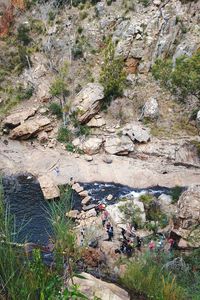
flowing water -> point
(25, 198)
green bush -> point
(175, 193)
(183, 79)
(64, 135)
(23, 35)
(112, 76)
(77, 51)
(146, 198)
(56, 109)
(83, 130)
(145, 3)
(132, 214)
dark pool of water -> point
(24, 196)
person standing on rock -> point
(139, 243)
(104, 217)
(110, 232)
(57, 171)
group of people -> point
(160, 245)
(129, 243)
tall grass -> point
(146, 277)
(25, 279)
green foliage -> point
(145, 3)
(183, 79)
(175, 193)
(23, 35)
(146, 277)
(59, 87)
(132, 214)
(37, 26)
(112, 76)
(56, 109)
(146, 198)
(83, 15)
(109, 2)
(13, 96)
(83, 130)
(64, 135)
(78, 50)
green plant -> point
(145, 3)
(132, 214)
(70, 147)
(183, 79)
(83, 15)
(64, 135)
(146, 277)
(146, 198)
(13, 96)
(112, 76)
(175, 193)
(83, 130)
(56, 109)
(23, 35)
(80, 30)
(59, 89)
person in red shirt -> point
(151, 245)
(171, 243)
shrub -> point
(23, 35)
(112, 76)
(146, 199)
(83, 15)
(83, 130)
(77, 50)
(132, 214)
(175, 193)
(183, 79)
(64, 135)
(56, 109)
(145, 3)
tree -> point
(59, 89)
(183, 79)
(112, 75)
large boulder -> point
(137, 132)
(189, 207)
(92, 145)
(93, 287)
(188, 217)
(165, 202)
(151, 109)
(31, 128)
(97, 121)
(88, 102)
(118, 145)
(49, 189)
(19, 117)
